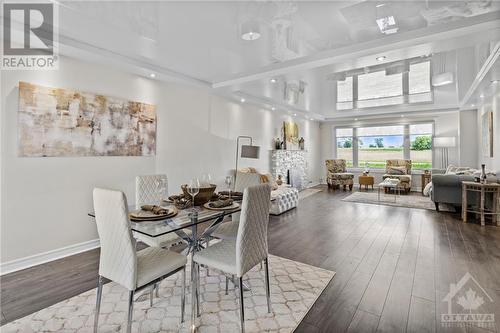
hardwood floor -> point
(394, 266)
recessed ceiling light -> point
(250, 30)
(273, 108)
(482, 95)
(273, 80)
(355, 119)
(473, 105)
(242, 100)
(381, 58)
(402, 116)
(295, 115)
(494, 81)
(152, 75)
(380, 5)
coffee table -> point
(395, 186)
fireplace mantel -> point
(284, 160)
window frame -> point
(406, 140)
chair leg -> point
(130, 310)
(193, 294)
(183, 294)
(227, 284)
(268, 289)
(198, 290)
(350, 187)
(437, 206)
(242, 307)
(98, 303)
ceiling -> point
(301, 43)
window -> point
(378, 144)
(344, 93)
(382, 88)
(421, 146)
(344, 144)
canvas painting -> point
(487, 133)
(291, 134)
(64, 122)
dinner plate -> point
(233, 206)
(142, 215)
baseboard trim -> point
(41, 258)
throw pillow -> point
(396, 170)
(427, 189)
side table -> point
(425, 179)
(482, 190)
(366, 181)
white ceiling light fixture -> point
(494, 81)
(381, 58)
(273, 108)
(152, 75)
(481, 96)
(273, 80)
(242, 100)
(441, 76)
(355, 119)
(295, 115)
(380, 5)
(250, 30)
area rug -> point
(308, 192)
(403, 200)
(294, 289)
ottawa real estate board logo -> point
(468, 305)
(29, 36)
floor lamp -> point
(247, 151)
(444, 142)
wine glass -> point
(206, 180)
(193, 189)
(229, 181)
(161, 189)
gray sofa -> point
(447, 188)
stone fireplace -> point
(291, 163)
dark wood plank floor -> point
(394, 266)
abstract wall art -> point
(64, 122)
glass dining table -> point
(190, 219)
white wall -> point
(469, 151)
(45, 200)
(490, 104)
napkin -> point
(157, 210)
(221, 203)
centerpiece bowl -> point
(203, 196)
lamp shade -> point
(250, 151)
(444, 142)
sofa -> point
(337, 175)
(447, 188)
(283, 197)
(399, 169)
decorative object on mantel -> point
(487, 133)
(278, 144)
(301, 143)
(63, 122)
(483, 174)
(291, 135)
(247, 151)
(279, 181)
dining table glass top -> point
(186, 218)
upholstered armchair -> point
(399, 169)
(336, 174)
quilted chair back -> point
(146, 189)
(251, 241)
(246, 179)
(406, 164)
(336, 166)
(118, 260)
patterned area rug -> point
(403, 200)
(294, 289)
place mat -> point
(231, 207)
(143, 215)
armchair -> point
(399, 169)
(336, 174)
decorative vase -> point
(279, 181)
(277, 143)
(301, 143)
(483, 174)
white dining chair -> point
(119, 260)
(236, 257)
(146, 193)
